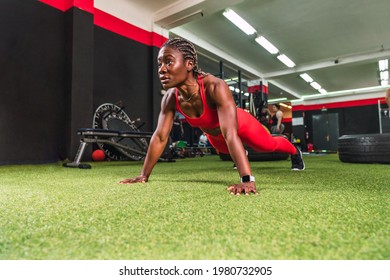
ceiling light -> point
(277, 99)
(306, 77)
(234, 79)
(285, 105)
(343, 92)
(383, 64)
(323, 91)
(239, 21)
(288, 62)
(384, 83)
(315, 85)
(384, 75)
(267, 45)
(234, 89)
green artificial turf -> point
(332, 210)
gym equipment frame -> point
(106, 137)
(115, 134)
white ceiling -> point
(337, 42)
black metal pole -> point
(239, 88)
(221, 69)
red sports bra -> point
(208, 119)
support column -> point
(79, 33)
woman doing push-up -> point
(206, 102)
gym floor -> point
(332, 210)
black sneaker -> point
(297, 163)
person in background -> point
(177, 131)
(265, 116)
(276, 126)
(203, 141)
(207, 102)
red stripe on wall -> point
(86, 5)
(64, 5)
(110, 22)
(126, 29)
(344, 104)
(158, 40)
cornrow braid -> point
(188, 50)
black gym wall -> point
(123, 71)
(351, 120)
(32, 83)
(57, 68)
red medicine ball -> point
(98, 155)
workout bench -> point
(106, 136)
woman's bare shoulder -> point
(211, 80)
(169, 99)
(214, 85)
(217, 91)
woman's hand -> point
(246, 188)
(139, 179)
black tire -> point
(258, 156)
(364, 148)
(225, 157)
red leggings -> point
(254, 135)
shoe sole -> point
(297, 169)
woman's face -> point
(274, 108)
(172, 69)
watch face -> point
(245, 178)
(112, 117)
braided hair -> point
(188, 51)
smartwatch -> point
(247, 178)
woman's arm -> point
(279, 116)
(227, 114)
(159, 139)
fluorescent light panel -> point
(266, 45)
(277, 99)
(323, 91)
(384, 75)
(383, 64)
(285, 105)
(249, 30)
(306, 77)
(315, 85)
(345, 92)
(239, 21)
(288, 62)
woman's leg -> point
(253, 134)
